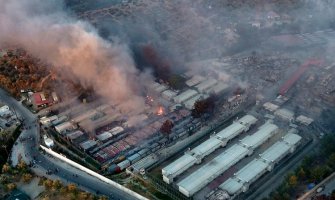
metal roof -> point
(252, 170)
(190, 103)
(185, 95)
(211, 170)
(275, 152)
(218, 88)
(176, 167)
(201, 87)
(291, 139)
(232, 186)
(248, 120)
(231, 131)
(207, 147)
(256, 139)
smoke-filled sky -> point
(45, 30)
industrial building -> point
(207, 173)
(194, 80)
(258, 138)
(270, 106)
(190, 103)
(242, 179)
(89, 144)
(214, 142)
(218, 88)
(185, 96)
(205, 85)
(285, 114)
(64, 127)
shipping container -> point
(134, 158)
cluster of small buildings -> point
(40, 100)
(286, 114)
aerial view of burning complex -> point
(167, 99)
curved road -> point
(66, 173)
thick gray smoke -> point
(45, 30)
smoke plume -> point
(45, 30)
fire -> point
(160, 110)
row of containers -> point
(149, 147)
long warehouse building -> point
(259, 166)
(207, 173)
(198, 153)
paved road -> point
(29, 151)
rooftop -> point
(211, 170)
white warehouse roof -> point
(207, 173)
(256, 139)
(247, 120)
(257, 167)
(205, 85)
(231, 131)
(185, 95)
(251, 171)
(177, 167)
(210, 145)
(274, 153)
(291, 138)
(206, 147)
(232, 186)
(246, 175)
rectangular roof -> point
(75, 134)
(207, 147)
(88, 144)
(252, 170)
(194, 80)
(104, 136)
(232, 186)
(176, 167)
(291, 139)
(218, 88)
(275, 152)
(185, 95)
(201, 87)
(190, 103)
(256, 139)
(248, 120)
(231, 131)
(207, 173)
(63, 126)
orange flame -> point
(160, 110)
